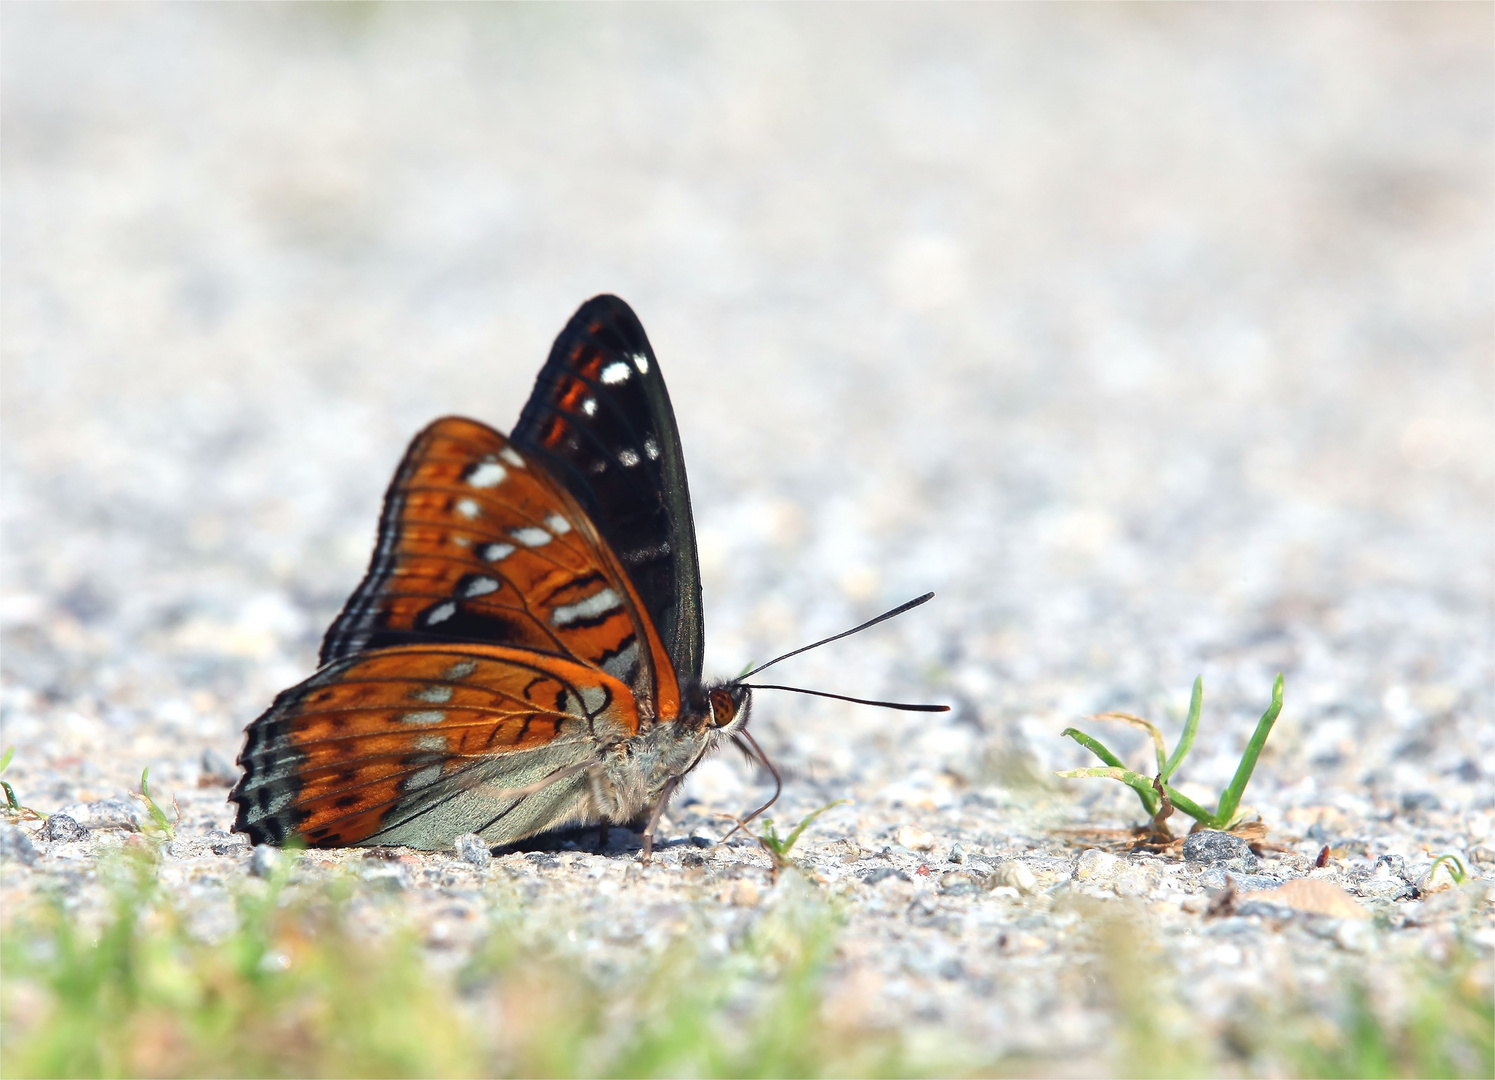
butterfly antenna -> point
(899, 610)
(904, 706)
(744, 741)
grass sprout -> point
(1159, 799)
(778, 847)
(1452, 865)
(161, 825)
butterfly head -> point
(728, 706)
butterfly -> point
(524, 653)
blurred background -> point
(1155, 339)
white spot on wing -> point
(511, 455)
(651, 448)
(425, 778)
(436, 695)
(589, 406)
(495, 552)
(461, 541)
(460, 670)
(441, 613)
(486, 475)
(468, 508)
(425, 716)
(481, 586)
(641, 362)
(624, 664)
(558, 525)
(596, 604)
(628, 458)
(530, 536)
(615, 373)
(433, 743)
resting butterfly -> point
(524, 653)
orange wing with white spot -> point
(477, 544)
(493, 653)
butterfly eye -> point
(723, 708)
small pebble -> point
(922, 905)
(264, 861)
(1096, 865)
(472, 848)
(1213, 848)
(913, 838)
(1017, 876)
(957, 854)
(15, 844)
(62, 829)
(957, 883)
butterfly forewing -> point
(600, 418)
(478, 545)
(423, 743)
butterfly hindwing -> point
(418, 744)
(600, 417)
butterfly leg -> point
(654, 815)
(602, 836)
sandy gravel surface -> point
(1156, 340)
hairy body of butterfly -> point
(524, 653)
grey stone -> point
(60, 828)
(1095, 865)
(16, 845)
(224, 843)
(1215, 878)
(883, 873)
(1211, 848)
(264, 861)
(472, 848)
(922, 906)
(957, 853)
(105, 814)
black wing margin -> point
(600, 418)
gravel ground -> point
(1156, 340)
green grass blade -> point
(158, 816)
(1230, 798)
(11, 802)
(770, 837)
(1142, 785)
(1145, 793)
(1456, 870)
(1094, 746)
(10, 752)
(1191, 728)
(800, 828)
